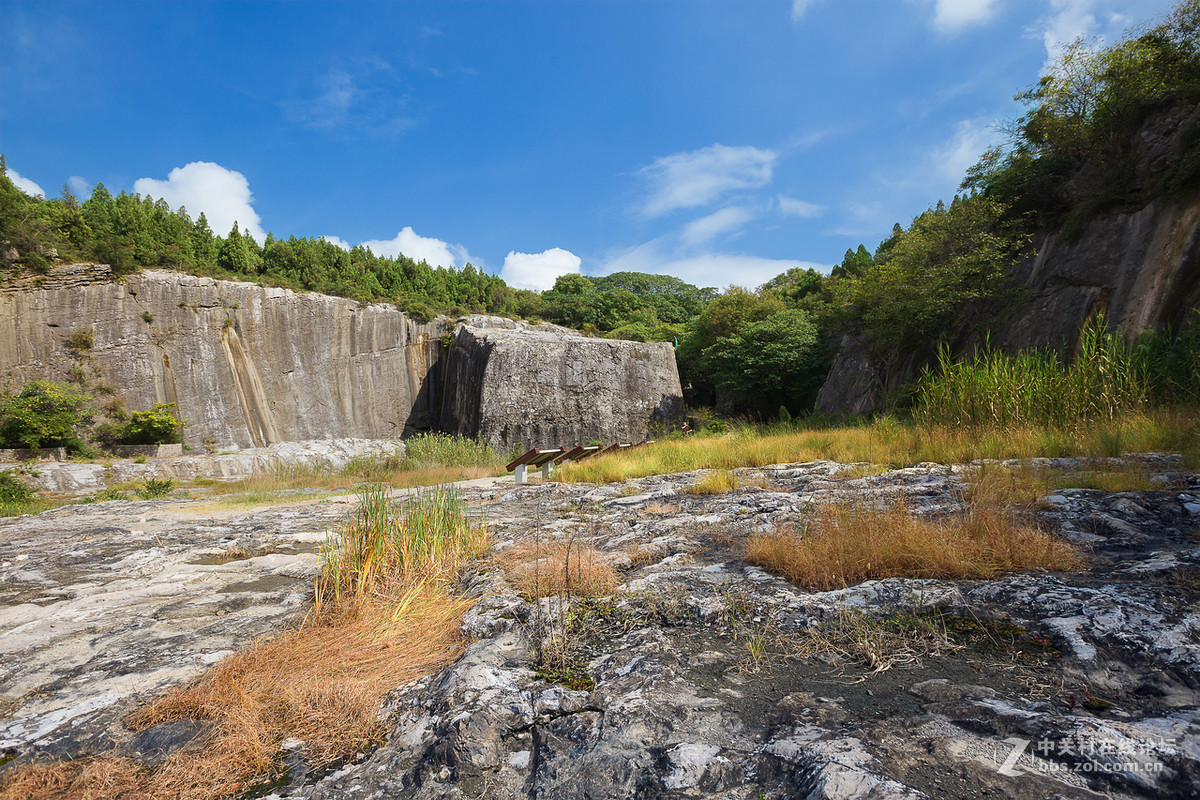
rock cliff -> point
(1141, 268)
(251, 366)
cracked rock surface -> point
(700, 676)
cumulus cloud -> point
(79, 186)
(707, 228)
(408, 243)
(433, 252)
(951, 16)
(687, 180)
(538, 271)
(223, 195)
(792, 207)
(24, 184)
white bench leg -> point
(547, 471)
(520, 473)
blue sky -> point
(721, 142)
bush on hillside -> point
(43, 414)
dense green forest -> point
(943, 280)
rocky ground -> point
(699, 677)
(315, 455)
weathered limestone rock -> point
(1084, 687)
(73, 477)
(547, 386)
(251, 366)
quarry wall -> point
(250, 365)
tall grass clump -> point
(444, 450)
(1108, 378)
(425, 538)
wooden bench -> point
(546, 459)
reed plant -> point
(427, 537)
(1109, 377)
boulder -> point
(546, 386)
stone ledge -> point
(147, 450)
(44, 454)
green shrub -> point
(80, 340)
(159, 425)
(153, 488)
(13, 490)
(43, 414)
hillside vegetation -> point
(945, 280)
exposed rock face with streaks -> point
(547, 386)
(251, 366)
(692, 679)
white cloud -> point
(792, 207)
(971, 137)
(538, 271)
(337, 241)
(433, 252)
(704, 268)
(687, 180)
(223, 195)
(699, 231)
(24, 184)
(79, 187)
(951, 16)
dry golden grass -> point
(555, 568)
(1022, 486)
(386, 618)
(847, 543)
(717, 481)
(86, 779)
(645, 556)
(322, 684)
(893, 443)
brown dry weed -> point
(558, 568)
(847, 543)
